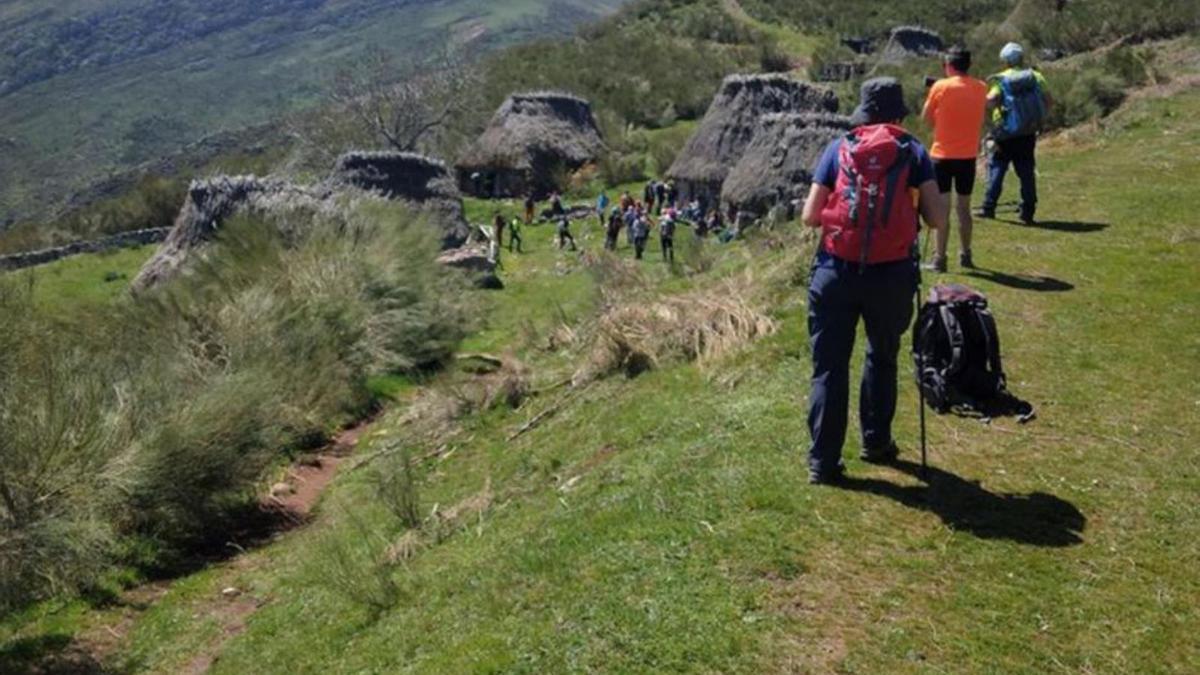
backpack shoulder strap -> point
(903, 158)
(954, 333)
(987, 323)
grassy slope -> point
(86, 280)
(692, 543)
(72, 129)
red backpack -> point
(870, 217)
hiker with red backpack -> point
(869, 190)
(1019, 101)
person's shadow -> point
(1060, 225)
(1041, 284)
(1037, 519)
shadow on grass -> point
(1036, 519)
(54, 654)
(1039, 284)
(243, 528)
(1078, 226)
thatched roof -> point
(778, 163)
(423, 182)
(729, 124)
(207, 205)
(907, 41)
(532, 130)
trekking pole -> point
(921, 393)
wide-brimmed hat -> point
(881, 100)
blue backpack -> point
(1022, 104)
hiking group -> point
(658, 209)
(870, 189)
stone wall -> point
(17, 261)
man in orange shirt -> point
(955, 108)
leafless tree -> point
(408, 105)
(378, 102)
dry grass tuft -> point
(405, 548)
(638, 333)
(472, 507)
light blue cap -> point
(1012, 54)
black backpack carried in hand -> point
(956, 350)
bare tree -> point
(418, 107)
(408, 107)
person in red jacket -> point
(868, 191)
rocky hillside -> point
(88, 88)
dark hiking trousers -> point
(838, 295)
(1020, 153)
(668, 248)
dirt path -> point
(294, 499)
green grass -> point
(688, 539)
(86, 280)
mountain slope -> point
(87, 88)
(662, 523)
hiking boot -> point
(938, 264)
(1028, 220)
(885, 455)
(833, 477)
(965, 261)
(987, 213)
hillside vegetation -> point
(92, 88)
(661, 523)
(601, 466)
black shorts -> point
(956, 173)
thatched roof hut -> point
(425, 183)
(729, 125)
(531, 139)
(209, 203)
(910, 41)
(777, 165)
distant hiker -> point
(498, 229)
(1020, 101)
(615, 220)
(556, 205)
(629, 216)
(862, 198)
(530, 204)
(564, 234)
(649, 194)
(672, 194)
(626, 201)
(711, 223)
(660, 196)
(602, 207)
(640, 231)
(955, 109)
(666, 237)
(514, 235)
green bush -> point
(149, 428)
(1082, 26)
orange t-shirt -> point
(955, 108)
